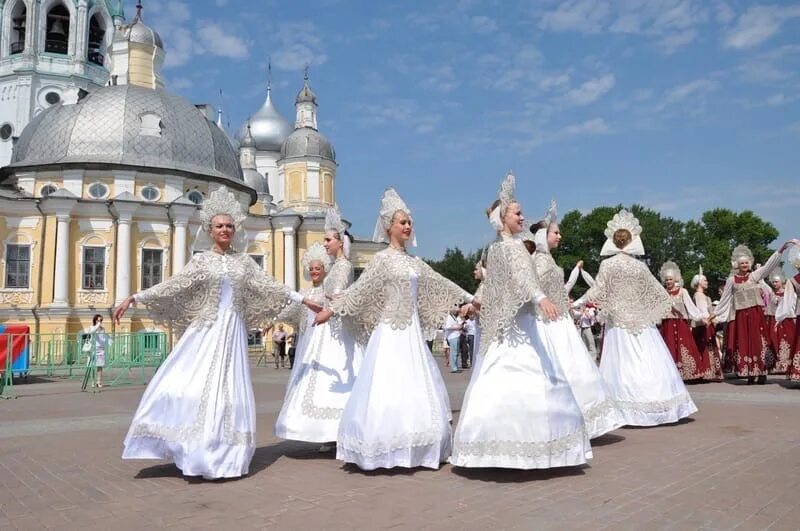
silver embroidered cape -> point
(296, 313)
(192, 296)
(510, 285)
(383, 293)
(339, 277)
(629, 296)
(551, 280)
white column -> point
(61, 288)
(179, 246)
(289, 252)
(123, 281)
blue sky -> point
(680, 105)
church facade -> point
(100, 187)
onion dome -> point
(268, 128)
(307, 142)
(141, 33)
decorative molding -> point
(153, 227)
(16, 297)
(22, 223)
(261, 237)
(86, 225)
(92, 297)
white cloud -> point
(589, 91)
(482, 24)
(586, 16)
(758, 24)
(672, 42)
(399, 112)
(595, 126)
(180, 83)
(699, 87)
(221, 43)
(299, 46)
(440, 78)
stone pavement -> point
(734, 465)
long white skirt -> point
(199, 410)
(563, 342)
(519, 410)
(398, 414)
(640, 374)
(326, 364)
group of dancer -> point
(365, 381)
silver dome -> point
(307, 142)
(143, 34)
(255, 180)
(306, 95)
(130, 126)
(268, 128)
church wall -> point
(140, 66)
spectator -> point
(292, 342)
(279, 346)
(96, 344)
(468, 337)
(452, 333)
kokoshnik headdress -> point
(333, 221)
(220, 202)
(741, 252)
(315, 253)
(506, 197)
(391, 203)
(777, 275)
(540, 238)
(671, 270)
(623, 220)
(698, 278)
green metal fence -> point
(128, 357)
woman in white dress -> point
(398, 414)
(327, 358)
(97, 345)
(562, 339)
(198, 411)
(519, 411)
(636, 364)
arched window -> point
(19, 24)
(97, 32)
(47, 190)
(56, 38)
(195, 197)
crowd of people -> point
(364, 382)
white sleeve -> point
(693, 311)
(723, 311)
(702, 304)
(296, 297)
(767, 268)
(587, 278)
(787, 306)
(573, 278)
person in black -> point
(292, 342)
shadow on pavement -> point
(686, 420)
(605, 440)
(506, 475)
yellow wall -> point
(140, 66)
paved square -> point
(734, 465)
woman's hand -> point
(120, 310)
(549, 309)
(579, 265)
(311, 305)
(323, 316)
(476, 303)
(793, 241)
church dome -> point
(139, 32)
(255, 180)
(268, 128)
(129, 126)
(307, 142)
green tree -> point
(458, 267)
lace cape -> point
(383, 293)
(296, 314)
(192, 296)
(510, 284)
(339, 277)
(629, 295)
(551, 280)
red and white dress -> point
(747, 346)
(679, 339)
(781, 334)
(788, 311)
(705, 337)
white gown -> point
(398, 414)
(327, 362)
(519, 410)
(643, 379)
(199, 410)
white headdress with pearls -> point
(698, 278)
(506, 197)
(540, 238)
(333, 221)
(741, 252)
(670, 270)
(220, 202)
(623, 220)
(315, 253)
(391, 202)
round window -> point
(98, 190)
(150, 193)
(195, 197)
(52, 98)
(5, 131)
(47, 190)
